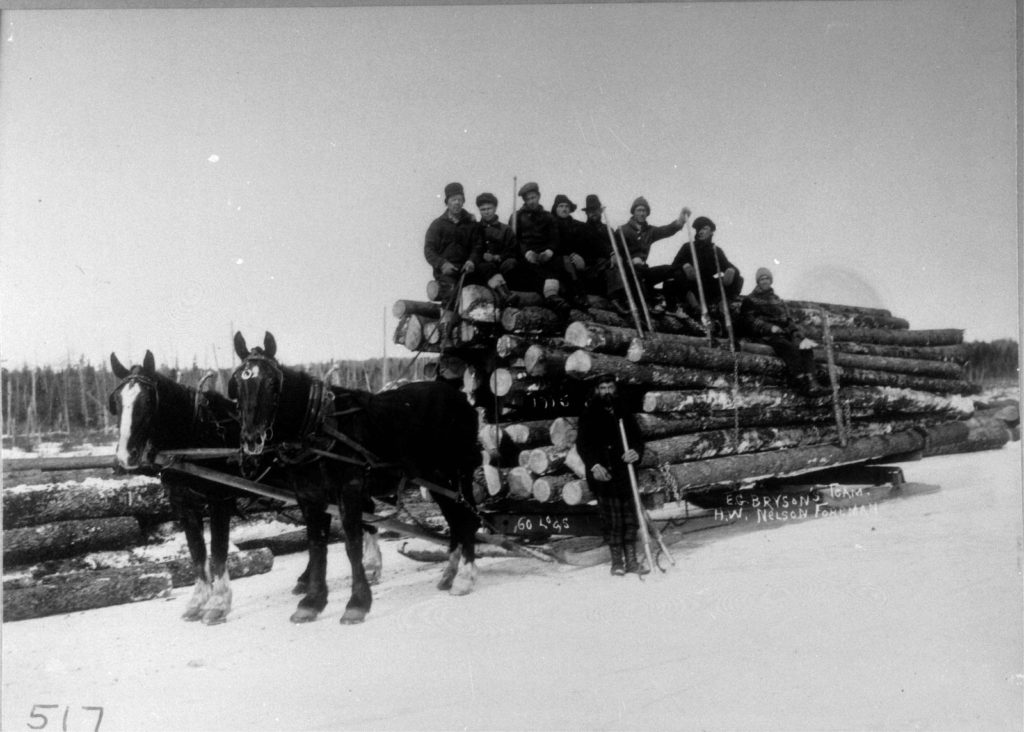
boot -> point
(632, 565)
(506, 298)
(618, 560)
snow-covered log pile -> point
(711, 415)
(76, 545)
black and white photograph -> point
(511, 366)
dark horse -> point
(332, 442)
(156, 413)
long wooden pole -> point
(705, 318)
(625, 280)
(641, 515)
(636, 281)
(833, 378)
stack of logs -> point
(74, 543)
(712, 415)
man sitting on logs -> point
(599, 443)
(639, 236)
(599, 263)
(573, 237)
(449, 248)
(498, 253)
(540, 247)
(695, 284)
(765, 316)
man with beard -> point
(682, 284)
(765, 316)
(539, 247)
(639, 236)
(497, 252)
(599, 443)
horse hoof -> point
(464, 582)
(214, 617)
(304, 615)
(353, 616)
(192, 615)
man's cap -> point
(530, 187)
(453, 189)
(701, 221)
(593, 203)
(640, 201)
(485, 198)
(763, 272)
(562, 198)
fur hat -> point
(562, 198)
(453, 189)
(701, 221)
(763, 272)
(593, 203)
(486, 198)
(640, 201)
(530, 187)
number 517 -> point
(41, 719)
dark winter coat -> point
(762, 310)
(706, 252)
(495, 237)
(639, 237)
(599, 443)
(450, 241)
(536, 231)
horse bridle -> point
(277, 375)
(135, 379)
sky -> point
(170, 176)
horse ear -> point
(117, 367)
(149, 364)
(269, 344)
(240, 348)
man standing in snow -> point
(764, 316)
(599, 443)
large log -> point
(576, 492)
(955, 353)
(92, 498)
(520, 483)
(65, 593)
(545, 460)
(660, 425)
(881, 399)
(812, 317)
(548, 488)
(543, 360)
(510, 346)
(505, 441)
(582, 364)
(562, 431)
(856, 368)
(496, 480)
(401, 308)
(982, 434)
(66, 538)
(837, 308)
(718, 443)
(881, 336)
(531, 320)
(776, 463)
(82, 462)
(418, 333)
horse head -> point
(256, 385)
(134, 401)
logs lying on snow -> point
(711, 413)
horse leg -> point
(302, 582)
(450, 512)
(352, 524)
(192, 522)
(318, 526)
(373, 561)
(465, 525)
(217, 607)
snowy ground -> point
(907, 616)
